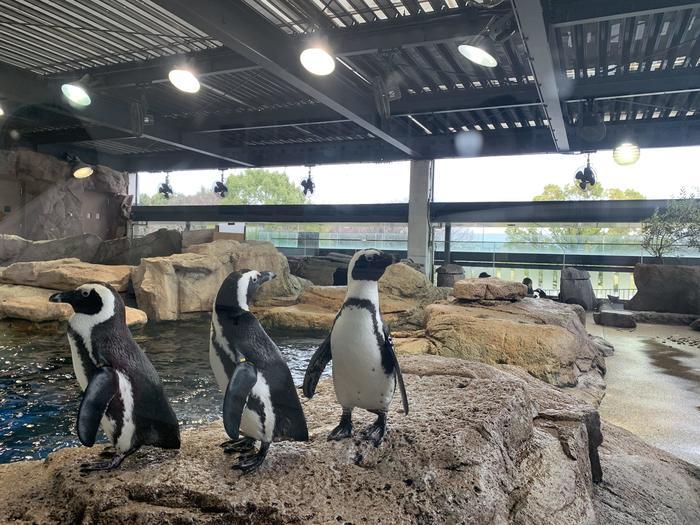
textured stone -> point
(168, 287)
(127, 251)
(65, 274)
(482, 444)
(29, 303)
(695, 325)
(545, 338)
(83, 247)
(449, 274)
(666, 288)
(576, 288)
(616, 318)
(319, 270)
(11, 246)
(489, 289)
(192, 237)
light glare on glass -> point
(2, 111)
(184, 80)
(76, 94)
(626, 153)
(317, 61)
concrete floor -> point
(653, 385)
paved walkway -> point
(653, 385)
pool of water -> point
(39, 396)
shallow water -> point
(39, 396)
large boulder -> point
(403, 292)
(576, 288)
(65, 274)
(127, 251)
(481, 445)
(616, 318)
(192, 237)
(319, 270)
(82, 246)
(488, 289)
(168, 287)
(665, 288)
(31, 304)
(11, 246)
(545, 338)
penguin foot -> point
(107, 465)
(252, 462)
(376, 431)
(108, 452)
(234, 446)
(344, 428)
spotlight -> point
(480, 50)
(76, 92)
(2, 111)
(184, 80)
(317, 60)
(80, 169)
(626, 153)
(165, 189)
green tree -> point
(677, 226)
(251, 186)
(569, 238)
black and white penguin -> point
(260, 401)
(122, 391)
(365, 368)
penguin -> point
(122, 391)
(365, 368)
(260, 400)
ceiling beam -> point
(528, 13)
(578, 12)
(253, 37)
(24, 87)
(392, 34)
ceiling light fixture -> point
(77, 93)
(80, 169)
(2, 111)
(479, 49)
(317, 60)
(626, 153)
(184, 80)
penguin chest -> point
(258, 417)
(78, 356)
(358, 376)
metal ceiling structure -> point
(574, 75)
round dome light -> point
(317, 61)
(83, 172)
(76, 94)
(184, 80)
(626, 154)
(480, 50)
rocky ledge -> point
(482, 444)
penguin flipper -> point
(244, 377)
(317, 365)
(389, 349)
(99, 393)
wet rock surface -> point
(481, 445)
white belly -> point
(358, 376)
(218, 368)
(126, 436)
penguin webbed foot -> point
(252, 462)
(105, 466)
(376, 431)
(108, 452)
(344, 428)
(234, 446)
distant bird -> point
(365, 369)
(122, 390)
(484, 275)
(260, 400)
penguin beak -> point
(56, 298)
(267, 276)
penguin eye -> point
(84, 293)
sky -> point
(660, 173)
